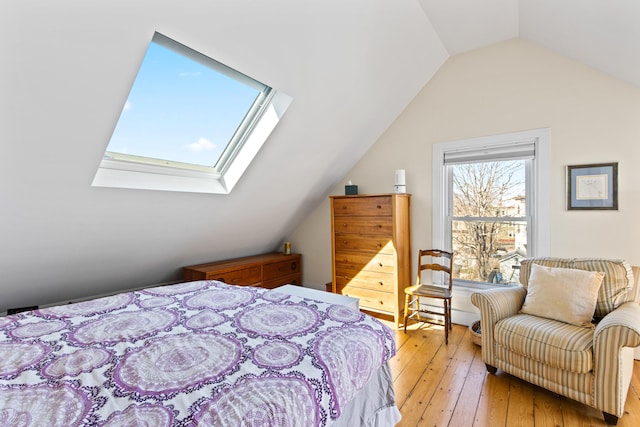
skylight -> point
(190, 123)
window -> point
(490, 204)
(189, 123)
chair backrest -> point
(618, 285)
(435, 260)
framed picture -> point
(592, 187)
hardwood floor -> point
(440, 385)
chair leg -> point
(446, 315)
(491, 369)
(610, 419)
(407, 297)
(446, 322)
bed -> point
(196, 353)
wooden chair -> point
(433, 260)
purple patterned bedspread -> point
(197, 353)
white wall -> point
(511, 86)
(67, 67)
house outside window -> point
(491, 204)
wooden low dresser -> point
(266, 270)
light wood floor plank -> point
(465, 411)
(413, 346)
(493, 403)
(547, 409)
(406, 383)
(520, 409)
(574, 414)
(440, 408)
(427, 383)
(448, 385)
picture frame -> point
(592, 187)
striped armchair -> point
(592, 365)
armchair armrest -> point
(613, 338)
(496, 304)
(626, 321)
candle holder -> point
(400, 186)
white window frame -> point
(133, 172)
(537, 188)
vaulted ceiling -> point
(351, 66)
(602, 34)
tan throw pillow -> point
(563, 294)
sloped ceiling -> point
(602, 34)
(351, 67)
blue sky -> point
(180, 110)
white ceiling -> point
(602, 34)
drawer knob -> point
(378, 206)
(344, 241)
(294, 266)
(381, 302)
(379, 245)
(381, 283)
(379, 225)
(379, 264)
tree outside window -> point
(488, 219)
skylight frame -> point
(132, 171)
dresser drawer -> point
(362, 206)
(382, 282)
(363, 225)
(285, 267)
(377, 263)
(294, 279)
(245, 276)
(364, 244)
(375, 300)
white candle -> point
(400, 177)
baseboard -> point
(463, 317)
(462, 311)
(16, 310)
(108, 294)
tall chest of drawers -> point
(371, 250)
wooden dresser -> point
(266, 270)
(371, 250)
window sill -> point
(474, 286)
